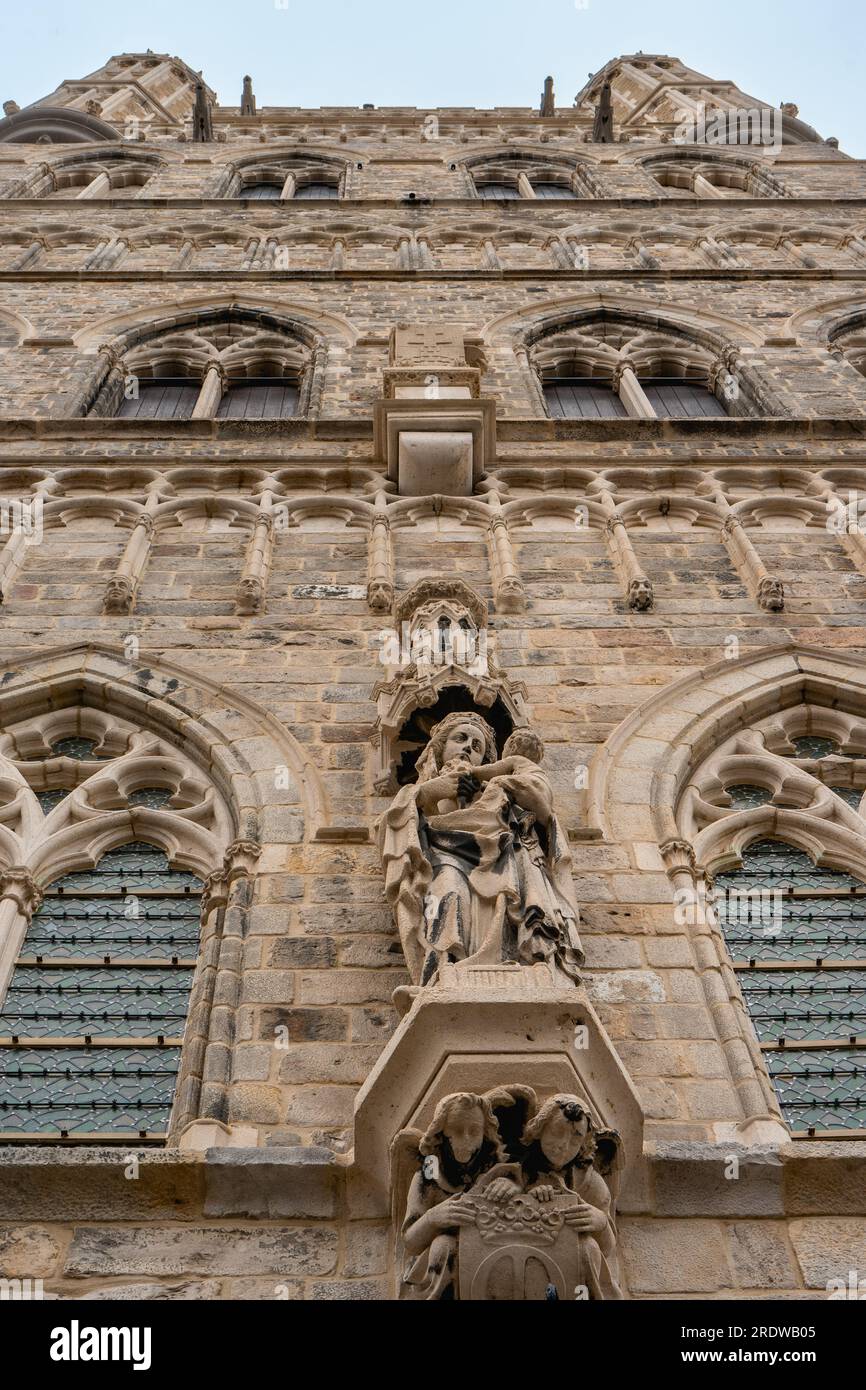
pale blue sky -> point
(452, 52)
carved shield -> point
(519, 1251)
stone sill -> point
(540, 430)
(700, 273)
(630, 201)
(53, 1183)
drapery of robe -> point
(493, 877)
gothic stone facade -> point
(202, 593)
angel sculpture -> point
(499, 1172)
(462, 1143)
(476, 865)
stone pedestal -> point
(484, 1027)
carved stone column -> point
(638, 588)
(288, 188)
(13, 552)
(765, 587)
(508, 591)
(699, 921)
(252, 586)
(380, 568)
(490, 256)
(631, 393)
(250, 253)
(28, 255)
(786, 244)
(122, 587)
(97, 188)
(20, 897)
(702, 188)
(211, 392)
(535, 392)
(202, 1107)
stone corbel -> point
(252, 586)
(239, 860)
(437, 446)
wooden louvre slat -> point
(259, 400)
(161, 400)
(583, 400)
(677, 399)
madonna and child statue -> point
(477, 868)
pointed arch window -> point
(93, 1009)
(797, 934)
(91, 1026)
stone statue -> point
(476, 866)
(511, 1200)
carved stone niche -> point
(439, 643)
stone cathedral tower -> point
(433, 700)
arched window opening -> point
(797, 934)
(232, 368)
(91, 1026)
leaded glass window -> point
(816, 748)
(745, 797)
(797, 936)
(91, 1026)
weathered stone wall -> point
(321, 958)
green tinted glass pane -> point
(773, 864)
(853, 795)
(814, 747)
(744, 797)
(118, 1002)
(48, 800)
(92, 1090)
(129, 867)
(81, 748)
(154, 797)
(806, 1005)
(132, 906)
(134, 926)
(820, 1089)
(803, 929)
